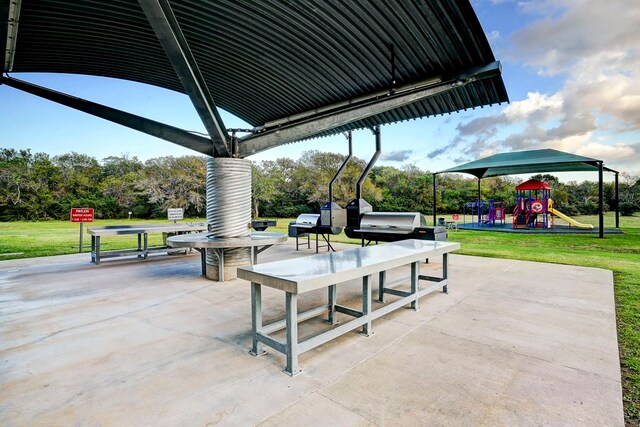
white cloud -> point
(396, 156)
(594, 46)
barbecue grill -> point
(394, 226)
(263, 224)
(307, 224)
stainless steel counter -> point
(258, 242)
(297, 276)
(143, 249)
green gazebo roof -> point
(521, 162)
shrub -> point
(627, 208)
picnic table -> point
(143, 249)
(328, 270)
(258, 242)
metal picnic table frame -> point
(327, 270)
(258, 241)
(143, 249)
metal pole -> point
(600, 201)
(434, 199)
(479, 213)
(341, 168)
(367, 169)
(617, 204)
(80, 250)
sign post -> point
(175, 214)
(81, 215)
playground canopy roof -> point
(291, 69)
(534, 161)
(533, 184)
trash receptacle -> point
(441, 221)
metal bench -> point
(143, 249)
(297, 276)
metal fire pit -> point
(308, 224)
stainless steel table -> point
(297, 276)
(143, 249)
(258, 242)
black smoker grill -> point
(308, 224)
(394, 226)
(263, 224)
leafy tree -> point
(175, 182)
(119, 186)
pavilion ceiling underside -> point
(266, 60)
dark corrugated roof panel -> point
(264, 60)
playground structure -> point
(488, 213)
(534, 207)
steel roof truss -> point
(324, 119)
(9, 18)
(165, 25)
(148, 126)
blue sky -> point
(571, 68)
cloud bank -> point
(594, 46)
(396, 156)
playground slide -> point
(569, 219)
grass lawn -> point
(619, 253)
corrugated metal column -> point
(228, 212)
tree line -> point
(36, 186)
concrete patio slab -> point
(134, 342)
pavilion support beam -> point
(9, 19)
(164, 23)
(617, 203)
(600, 201)
(150, 127)
(434, 199)
(311, 123)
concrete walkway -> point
(152, 343)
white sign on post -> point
(175, 214)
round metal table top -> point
(202, 240)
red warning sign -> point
(81, 214)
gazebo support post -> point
(434, 199)
(478, 193)
(600, 201)
(617, 204)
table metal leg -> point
(415, 304)
(445, 272)
(97, 250)
(93, 248)
(382, 279)
(366, 304)
(254, 255)
(292, 334)
(203, 260)
(332, 304)
(146, 245)
(256, 318)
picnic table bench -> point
(143, 249)
(297, 276)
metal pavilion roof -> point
(533, 161)
(293, 69)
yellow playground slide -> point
(566, 218)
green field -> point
(619, 253)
